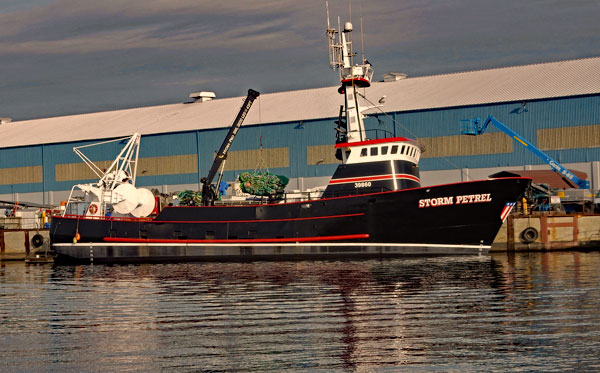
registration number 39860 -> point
(362, 184)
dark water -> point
(522, 312)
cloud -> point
(63, 56)
(263, 36)
(69, 26)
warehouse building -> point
(556, 106)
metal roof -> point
(528, 82)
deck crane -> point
(209, 191)
(476, 127)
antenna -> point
(350, 11)
(336, 58)
(327, 10)
(362, 41)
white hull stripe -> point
(394, 174)
(341, 244)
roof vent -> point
(392, 77)
(5, 120)
(202, 96)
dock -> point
(19, 244)
(544, 231)
(22, 236)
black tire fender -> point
(529, 235)
(37, 241)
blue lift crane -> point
(476, 127)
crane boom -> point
(237, 123)
(475, 127)
(208, 192)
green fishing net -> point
(263, 183)
(190, 198)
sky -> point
(62, 57)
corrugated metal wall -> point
(569, 137)
(21, 170)
(568, 129)
(529, 120)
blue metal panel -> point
(296, 136)
(168, 144)
(161, 145)
(166, 179)
(21, 188)
(22, 156)
(55, 154)
(309, 133)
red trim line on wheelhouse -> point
(372, 142)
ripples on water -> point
(523, 312)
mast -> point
(352, 76)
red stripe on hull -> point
(374, 178)
(249, 240)
(358, 179)
(407, 176)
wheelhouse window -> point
(363, 152)
(394, 149)
(374, 150)
(403, 149)
(384, 150)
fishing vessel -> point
(373, 206)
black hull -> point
(461, 218)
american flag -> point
(506, 210)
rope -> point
(261, 165)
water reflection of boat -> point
(374, 205)
(409, 276)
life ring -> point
(37, 241)
(93, 209)
(529, 235)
